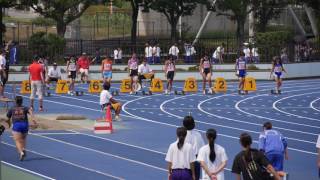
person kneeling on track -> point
(107, 99)
(54, 74)
(20, 124)
(133, 72)
(145, 72)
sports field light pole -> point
(204, 23)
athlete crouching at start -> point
(106, 99)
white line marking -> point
(312, 106)
(40, 133)
(101, 152)
(274, 105)
(27, 170)
(277, 120)
(67, 162)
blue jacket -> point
(272, 142)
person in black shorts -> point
(72, 74)
(169, 70)
(205, 71)
(133, 72)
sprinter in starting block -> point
(277, 71)
(107, 99)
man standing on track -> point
(36, 82)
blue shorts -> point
(242, 73)
(21, 127)
(150, 60)
(278, 74)
(156, 59)
(276, 161)
(107, 74)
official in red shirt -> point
(36, 81)
(83, 64)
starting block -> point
(212, 92)
(47, 94)
(176, 92)
(148, 93)
(79, 93)
(275, 92)
(115, 93)
(283, 175)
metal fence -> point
(305, 51)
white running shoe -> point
(204, 92)
(166, 92)
(210, 91)
(117, 118)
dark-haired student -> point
(107, 99)
(251, 163)
(195, 139)
(213, 158)
(18, 115)
(181, 158)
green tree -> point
(134, 18)
(5, 4)
(236, 10)
(265, 10)
(62, 12)
(173, 10)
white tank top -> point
(170, 67)
(72, 66)
(133, 64)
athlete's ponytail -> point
(246, 141)
(211, 136)
(181, 134)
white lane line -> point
(312, 105)
(101, 152)
(67, 162)
(175, 126)
(41, 133)
(274, 105)
(237, 106)
(27, 170)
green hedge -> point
(270, 43)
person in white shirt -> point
(255, 55)
(72, 69)
(247, 52)
(117, 55)
(217, 56)
(106, 99)
(195, 139)
(54, 74)
(148, 53)
(213, 158)
(174, 52)
(145, 72)
(190, 51)
(3, 74)
(181, 158)
(156, 54)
